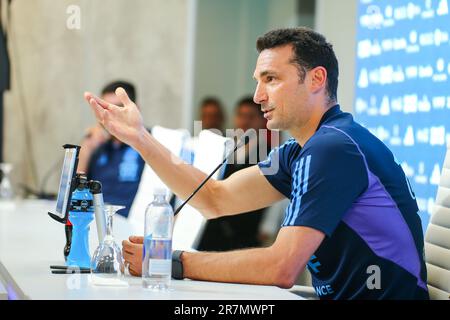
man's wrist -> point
(141, 140)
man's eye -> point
(269, 79)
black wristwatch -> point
(177, 265)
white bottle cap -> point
(160, 191)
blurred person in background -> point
(240, 231)
(212, 114)
(105, 158)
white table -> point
(30, 241)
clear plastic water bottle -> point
(157, 254)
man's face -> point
(248, 117)
(211, 117)
(284, 99)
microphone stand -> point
(242, 141)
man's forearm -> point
(179, 176)
(250, 266)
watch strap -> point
(177, 265)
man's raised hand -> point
(123, 122)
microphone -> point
(40, 193)
(243, 140)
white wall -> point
(225, 45)
(336, 20)
(143, 41)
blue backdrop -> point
(402, 91)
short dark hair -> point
(311, 50)
(248, 101)
(129, 88)
(213, 101)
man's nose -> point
(260, 95)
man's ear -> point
(318, 79)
